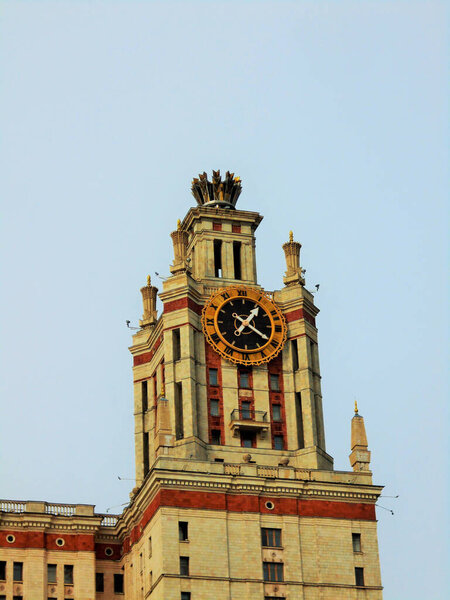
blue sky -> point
(334, 114)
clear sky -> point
(334, 114)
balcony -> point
(247, 419)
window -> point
(51, 573)
(183, 531)
(176, 344)
(150, 547)
(359, 576)
(144, 395)
(184, 565)
(237, 259)
(299, 418)
(17, 597)
(68, 573)
(356, 540)
(294, 349)
(185, 595)
(217, 258)
(216, 438)
(99, 582)
(17, 571)
(214, 408)
(118, 583)
(274, 382)
(244, 379)
(247, 439)
(179, 425)
(276, 412)
(2, 570)
(213, 377)
(273, 571)
(246, 410)
(145, 452)
(270, 538)
(278, 442)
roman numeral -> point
(225, 295)
(242, 292)
(274, 344)
(215, 338)
(229, 351)
(278, 328)
(210, 321)
(245, 356)
(263, 354)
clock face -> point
(244, 325)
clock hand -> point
(245, 323)
(247, 320)
(263, 335)
(238, 331)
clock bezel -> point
(211, 329)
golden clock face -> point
(244, 325)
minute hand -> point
(236, 316)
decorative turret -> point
(360, 455)
(223, 194)
(149, 301)
(180, 242)
(292, 253)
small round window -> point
(10, 539)
(109, 551)
(270, 505)
(60, 542)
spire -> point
(360, 455)
(218, 193)
(180, 242)
(292, 254)
(149, 301)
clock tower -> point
(229, 429)
(229, 366)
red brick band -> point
(40, 539)
(252, 504)
(182, 303)
(296, 315)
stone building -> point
(236, 497)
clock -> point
(244, 325)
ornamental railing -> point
(248, 414)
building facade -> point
(236, 497)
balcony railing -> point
(248, 414)
(247, 419)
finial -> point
(178, 225)
(149, 281)
(219, 192)
(291, 236)
(163, 390)
(356, 408)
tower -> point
(229, 428)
